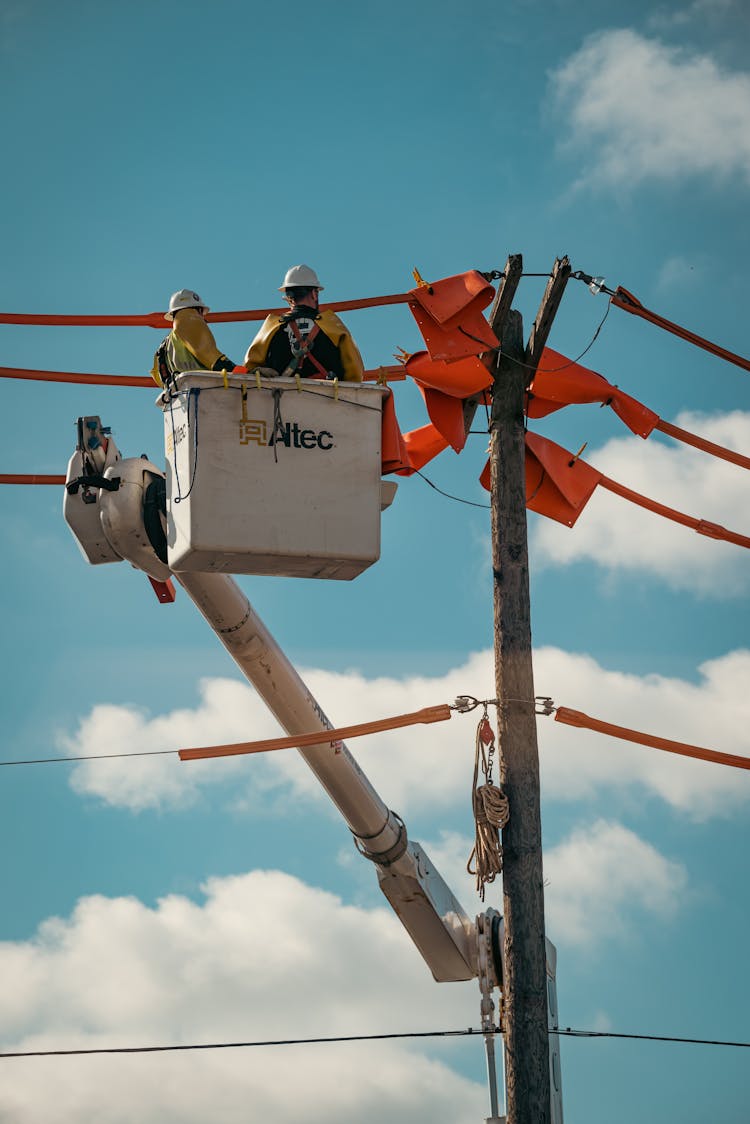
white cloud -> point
(639, 109)
(265, 957)
(618, 535)
(599, 883)
(227, 711)
(423, 769)
(714, 712)
(601, 879)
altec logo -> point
(290, 434)
(295, 438)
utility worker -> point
(190, 346)
(305, 341)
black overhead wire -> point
(530, 366)
(331, 1039)
(458, 499)
(91, 757)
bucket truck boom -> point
(104, 509)
(125, 509)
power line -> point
(331, 1039)
(242, 1045)
(90, 757)
(570, 1033)
(447, 495)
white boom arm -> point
(111, 506)
(432, 916)
(105, 504)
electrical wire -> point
(240, 1045)
(570, 1033)
(447, 495)
(91, 757)
(531, 366)
(339, 1038)
(587, 348)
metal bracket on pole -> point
(489, 943)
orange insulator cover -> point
(558, 383)
(449, 315)
(447, 415)
(444, 387)
(422, 446)
(558, 484)
(461, 379)
(393, 451)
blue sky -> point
(150, 147)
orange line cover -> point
(322, 737)
(389, 373)
(626, 301)
(578, 718)
(559, 485)
(157, 320)
(30, 478)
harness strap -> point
(305, 343)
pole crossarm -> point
(550, 303)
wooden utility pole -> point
(525, 976)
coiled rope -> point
(490, 806)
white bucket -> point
(273, 479)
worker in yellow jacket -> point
(305, 341)
(190, 346)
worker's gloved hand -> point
(264, 372)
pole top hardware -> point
(464, 704)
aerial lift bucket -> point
(273, 476)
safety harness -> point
(302, 351)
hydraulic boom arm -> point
(109, 507)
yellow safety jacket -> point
(190, 346)
(328, 323)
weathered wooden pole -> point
(525, 981)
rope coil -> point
(491, 811)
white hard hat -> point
(184, 298)
(300, 277)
